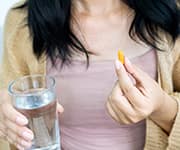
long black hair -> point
(49, 25)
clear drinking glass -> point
(34, 96)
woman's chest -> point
(82, 89)
(105, 40)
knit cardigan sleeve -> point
(156, 138)
(18, 60)
(13, 62)
(174, 137)
(18, 57)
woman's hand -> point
(13, 124)
(131, 103)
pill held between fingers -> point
(121, 56)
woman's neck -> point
(96, 7)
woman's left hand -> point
(131, 103)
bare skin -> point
(102, 26)
(105, 30)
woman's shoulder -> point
(17, 38)
(15, 23)
(177, 45)
(15, 17)
(176, 72)
(176, 50)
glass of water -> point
(34, 96)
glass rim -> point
(12, 83)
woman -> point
(106, 107)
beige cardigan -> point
(19, 60)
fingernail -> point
(118, 64)
(129, 65)
(26, 144)
(128, 62)
(21, 121)
(20, 147)
(60, 109)
(27, 135)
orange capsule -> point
(121, 56)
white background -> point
(4, 7)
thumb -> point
(60, 108)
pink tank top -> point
(85, 123)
